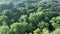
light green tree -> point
(4, 30)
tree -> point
(8, 13)
(35, 18)
(23, 18)
(30, 28)
(3, 19)
(42, 25)
(4, 30)
(56, 20)
(57, 31)
(6, 5)
(18, 28)
(37, 31)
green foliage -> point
(29, 16)
(56, 20)
(42, 25)
(37, 31)
(3, 19)
(23, 18)
(4, 30)
(57, 31)
(36, 17)
(18, 28)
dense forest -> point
(29, 16)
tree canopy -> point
(29, 16)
